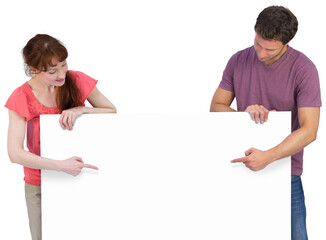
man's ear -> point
(287, 43)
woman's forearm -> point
(98, 110)
(30, 160)
(72, 166)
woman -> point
(52, 89)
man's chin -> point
(263, 59)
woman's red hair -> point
(38, 54)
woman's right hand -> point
(74, 165)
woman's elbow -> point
(112, 108)
(12, 157)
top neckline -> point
(32, 96)
(278, 62)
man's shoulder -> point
(243, 56)
(244, 53)
(299, 58)
(247, 50)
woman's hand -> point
(74, 165)
(68, 117)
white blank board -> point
(165, 176)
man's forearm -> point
(292, 144)
(256, 159)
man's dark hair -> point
(276, 23)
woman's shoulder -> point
(20, 99)
(84, 82)
(78, 75)
(20, 94)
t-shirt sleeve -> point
(308, 87)
(227, 78)
(85, 83)
(18, 102)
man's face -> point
(268, 51)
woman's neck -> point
(45, 94)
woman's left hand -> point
(68, 117)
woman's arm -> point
(17, 153)
(100, 105)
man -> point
(272, 76)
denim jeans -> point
(298, 210)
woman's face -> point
(54, 76)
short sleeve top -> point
(24, 103)
(289, 83)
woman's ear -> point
(34, 71)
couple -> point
(270, 75)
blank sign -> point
(165, 176)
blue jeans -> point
(298, 210)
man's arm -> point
(222, 100)
(308, 119)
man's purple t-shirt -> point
(286, 85)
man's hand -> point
(258, 113)
(255, 159)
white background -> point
(150, 57)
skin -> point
(44, 85)
(255, 159)
(269, 51)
